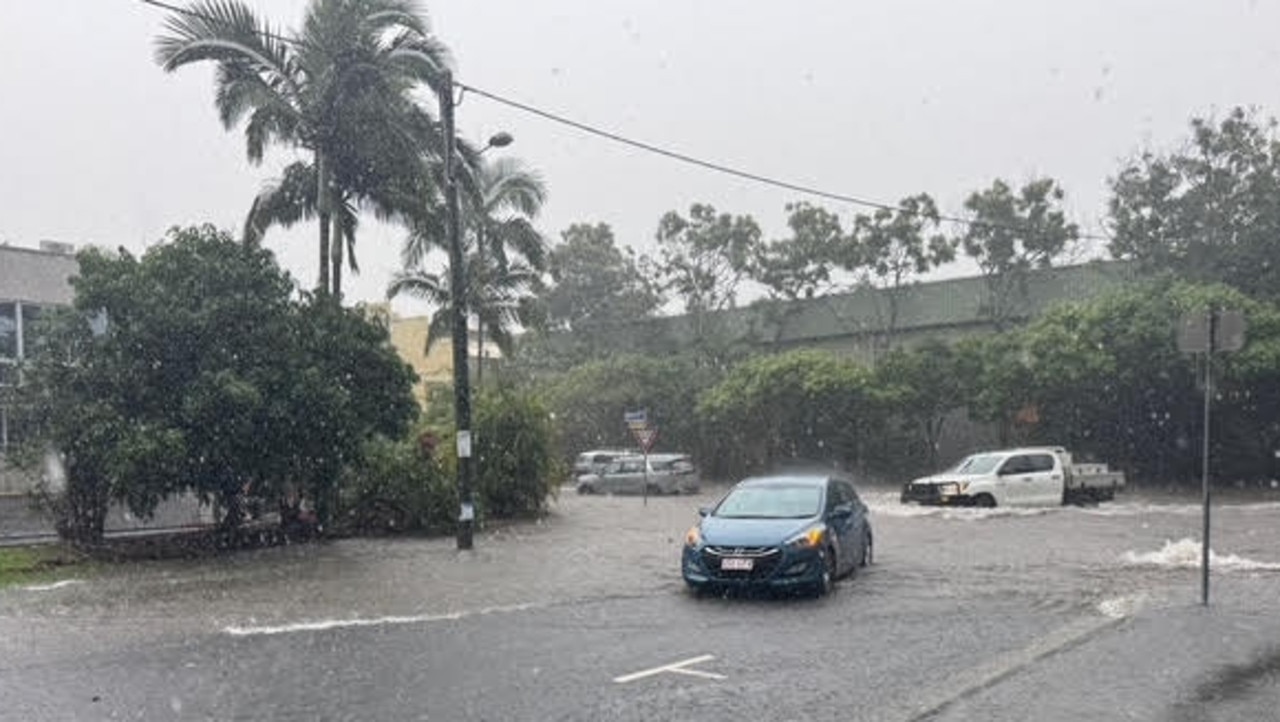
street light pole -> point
(457, 292)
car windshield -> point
(978, 464)
(771, 502)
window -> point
(836, 495)
(32, 337)
(850, 494)
(8, 330)
(1028, 464)
(1040, 462)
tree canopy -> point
(210, 377)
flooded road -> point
(997, 609)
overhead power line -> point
(729, 170)
(667, 152)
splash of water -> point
(1185, 554)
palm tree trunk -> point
(339, 243)
(322, 209)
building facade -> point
(32, 280)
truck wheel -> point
(984, 501)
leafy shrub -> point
(399, 488)
(518, 463)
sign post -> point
(645, 435)
(1207, 333)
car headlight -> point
(949, 489)
(810, 538)
(693, 536)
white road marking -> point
(327, 624)
(674, 667)
(54, 585)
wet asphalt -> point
(967, 614)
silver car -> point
(666, 474)
(597, 460)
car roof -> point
(619, 452)
(799, 479)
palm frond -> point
(227, 32)
(510, 187)
(429, 287)
(519, 235)
(440, 327)
(283, 203)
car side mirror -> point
(842, 511)
(704, 510)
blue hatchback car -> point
(788, 532)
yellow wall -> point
(409, 336)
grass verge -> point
(38, 564)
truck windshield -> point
(978, 464)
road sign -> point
(645, 438)
(1225, 330)
(1208, 333)
(636, 419)
(1230, 335)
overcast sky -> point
(874, 99)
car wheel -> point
(585, 489)
(984, 501)
(698, 591)
(868, 551)
(828, 579)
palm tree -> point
(502, 302)
(340, 89)
(510, 198)
(507, 254)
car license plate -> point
(736, 564)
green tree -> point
(893, 248)
(594, 283)
(1011, 233)
(1208, 212)
(208, 378)
(801, 266)
(924, 387)
(340, 89)
(804, 404)
(705, 257)
(589, 402)
(995, 382)
(1106, 377)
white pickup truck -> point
(1032, 476)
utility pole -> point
(458, 294)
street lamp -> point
(501, 139)
(498, 140)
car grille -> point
(920, 492)
(766, 560)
